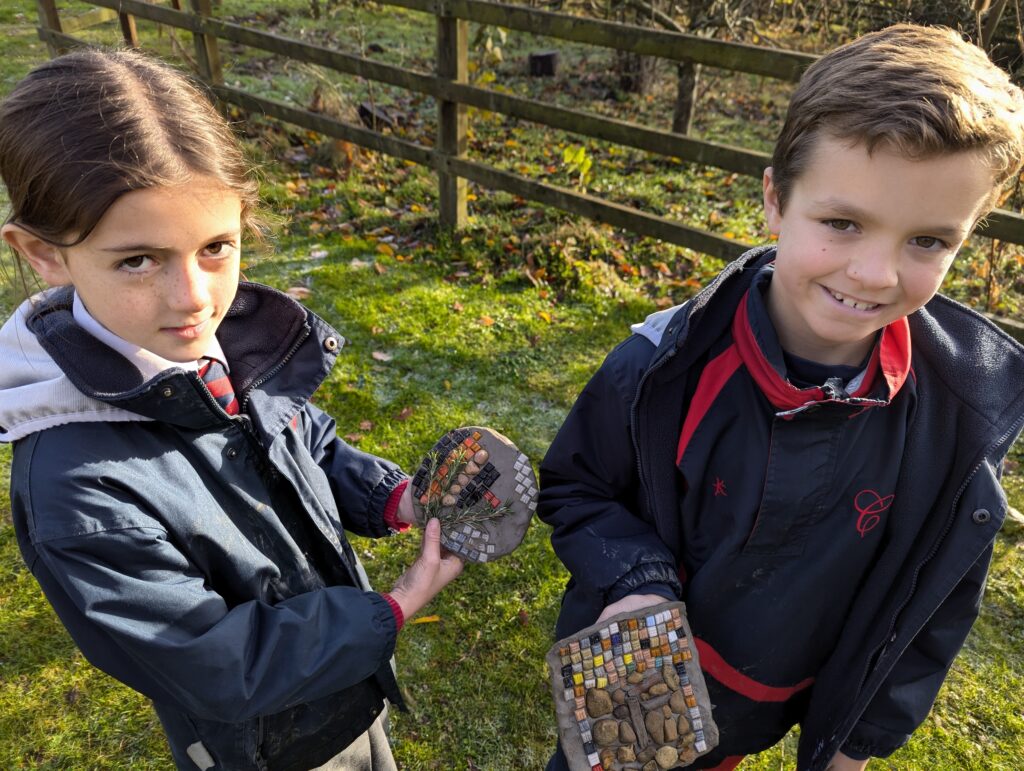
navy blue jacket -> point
(611, 491)
(201, 558)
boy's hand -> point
(629, 603)
(405, 512)
(428, 575)
(842, 762)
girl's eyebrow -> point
(164, 249)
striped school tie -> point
(219, 385)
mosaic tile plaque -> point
(483, 490)
(629, 693)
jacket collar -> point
(755, 338)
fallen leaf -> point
(353, 437)
(457, 307)
(298, 292)
(404, 414)
(545, 315)
(385, 249)
(366, 425)
(426, 620)
(381, 356)
(381, 270)
(486, 321)
(376, 331)
(524, 617)
(447, 385)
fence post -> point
(50, 19)
(452, 64)
(128, 31)
(207, 54)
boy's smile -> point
(865, 240)
(161, 267)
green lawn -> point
(500, 325)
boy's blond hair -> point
(917, 91)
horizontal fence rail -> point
(454, 94)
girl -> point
(177, 497)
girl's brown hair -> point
(85, 128)
(917, 91)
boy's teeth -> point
(853, 303)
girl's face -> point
(161, 267)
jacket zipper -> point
(275, 369)
(880, 650)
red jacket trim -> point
(713, 664)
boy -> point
(808, 451)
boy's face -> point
(161, 267)
(865, 240)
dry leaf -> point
(457, 307)
(386, 249)
(366, 425)
(426, 620)
(381, 270)
(447, 385)
(486, 321)
(353, 437)
(381, 356)
(545, 315)
(404, 414)
(298, 292)
(376, 331)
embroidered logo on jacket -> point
(869, 506)
(720, 488)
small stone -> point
(666, 757)
(687, 756)
(621, 711)
(618, 696)
(687, 738)
(606, 732)
(684, 727)
(671, 731)
(635, 677)
(671, 676)
(462, 479)
(455, 489)
(472, 469)
(626, 733)
(599, 703)
(626, 754)
(607, 757)
(677, 702)
(647, 754)
(668, 713)
(481, 456)
(658, 689)
(655, 726)
(650, 766)
(448, 500)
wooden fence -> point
(449, 85)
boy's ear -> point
(772, 210)
(44, 257)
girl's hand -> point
(428, 575)
(405, 512)
(628, 603)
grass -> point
(501, 325)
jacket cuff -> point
(379, 500)
(650, 578)
(396, 609)
(867, 740)
(391, 509)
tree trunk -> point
(686, 95)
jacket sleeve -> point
(907, 695)
(589, 487)
(361, 483)
(140, 611)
